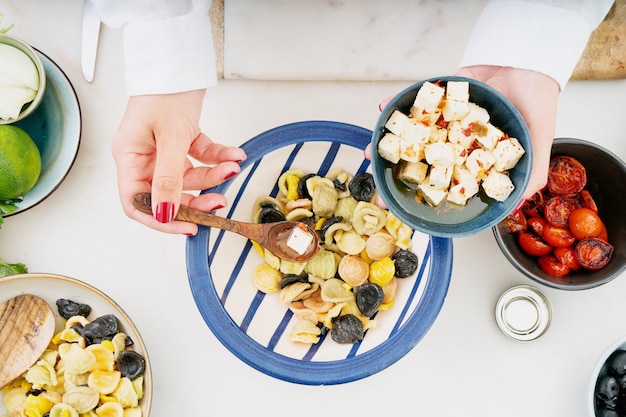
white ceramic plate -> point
(51, 287)
(255, 327)
(55, 126)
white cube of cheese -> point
(396, 122)
(389, 147)
(440, 175)
(416, 131)
(460, 154)
(507, 153)
(460, 193)
(433, 196)
(411, 150)
(461, 174)
(423, 117)
(428, 97)
(475, 114)
(440, 153)
(454, 110)
(414, 172)
(457, 90)
(479, 162)
(497, 185)
(438, 134)
(491, 137)
(459, 134)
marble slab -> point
(345, 39)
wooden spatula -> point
(26, 327)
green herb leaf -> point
(11, 269)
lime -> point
(20, 162)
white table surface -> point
(464, 366)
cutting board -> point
(245, 49)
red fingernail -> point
(188, 234)
(219, 206)
(164, 212)
(229, 176)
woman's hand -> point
(156, 138)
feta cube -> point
(389, 147)
(475, 114)
(416, 132)
(428, 97)
(461, 174)
(460, 154)
(457, 90)
(411, 150)
(490, 138)
(479, 162)
(459, 134)
(440, 153)
(460, 193)
(454, 110)
(396, 122)
(414, 172)
(433, 196)
(497, 185)
(507, 153)
(440, 175)
(423, 117)
(438, 134)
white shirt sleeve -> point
(547, 36)
(168, 44)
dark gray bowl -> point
(481, 212)
(606, 181)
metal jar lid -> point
(523, 313)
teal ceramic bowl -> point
(449, 220)
(30, 107)
(55, 127)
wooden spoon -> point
(276, 237)
(26, 327)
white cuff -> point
(169, 56)
(530, 36)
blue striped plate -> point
(255, 327)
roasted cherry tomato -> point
(537, 224)
(558, 209)
(558, 237)
(604, 234)
(533, 207)
(552, 266)
(533, 244)
(566, 176)
(587, 201)
(567, 256)
(516, 222)
(593, 253)
(584, 222)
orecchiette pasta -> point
(357, 242)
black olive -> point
(341, 186)
(69, 308)
(303, 191)
(347, 329)
(291, 278)
(270, 215)
(617, 363)
(606, 412)
(607, 389)
(405, 263)
(328, 223)
(368, 298)
(131, 364)
(362, 187)
(101, 328)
